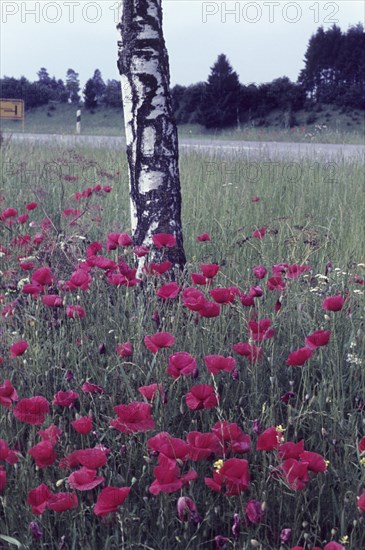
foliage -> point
(307, 230)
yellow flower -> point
(344, 539)
(362, 461)
(218, 465)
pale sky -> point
(262, 39)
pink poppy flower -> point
(201, 396)
(110, 499)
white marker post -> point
(78, 121)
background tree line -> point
(334, 73)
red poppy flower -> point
(23, 218)
(316, 462)
(254, 511)
(18, 348)
(163, 239)
(32, 289)
(110, 499)
(333, 303)
(52, 300)
(159, 340)
(7, 454)
(261, 330)
(219, 363)
(32, 410)
(141, 251)
(83, 425)
(132, 418)
(151, 391)
(7, 394)
(203, 445)
(38, 498)
(8, 213)
(276, 283)
(75, 311)
(51, 434)
(209, 270)
(171, 447)
(112, 241)
(169, 478)
(181, 363)
(234, 475)
(247, 300)
(334, 546)
(84, 479)
(232, 438)
(94, 248)
(361, 502)
(168, 291)
(2, 478)
(224, 295)
(295, 270)
(252, 352)
(259, 233)
(92, 458)
(255, 199)
(361, 445)
(259, 271)
(296, 473)
(199, 279)
(317, 339)
(43, 454)
(65, 398)
(88, 387)
(203, 237)
(157, 269)
(80, 279)
(42, 276)
(193, 299)
(31, 206)
(298, 357)
(124, 350)
(60, 502)
(186, 509)
(209, 310)
(269, 439)
(125, 240)
(291, 449)
(201, 396)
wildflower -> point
(125, 240)
(132, 418)
(203, 445)
(193, 299)
(168, 478)
(296, 473)
(170, 447)
(124, 350)
(361, 502)
(234, 475)
(2, 479)
(151, 391)
(32, 410)
(232, 438)
(203, 237)
(83, 425)
(38, 498)
(51, 434)
(269, 439)
(168, 291)
(92, 458)
(52, 300)
(88, 387)
(285, 535)
(7, 394)
(18, 348)
(60, 502)
(186, 509)
(259, 271)
(201, 396)
(43, 454)
(299, 357)
(333, 303)
(181, 363)
(224, 295)
(259, 233)
(254, 511)
(84, 479)
(36, 530)
(157, 269)
(75, 311)
(161, 240)
(65, 398)
(250, 351)
(159, 340)
(110, 499)
(317, 339)
(209, 270)
(219, 363)
(209, 310)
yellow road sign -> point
(12, 109)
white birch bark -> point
(151, 134)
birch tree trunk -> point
(151, 134)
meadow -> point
(221, 410)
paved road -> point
(265, 149)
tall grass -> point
(314, 218)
